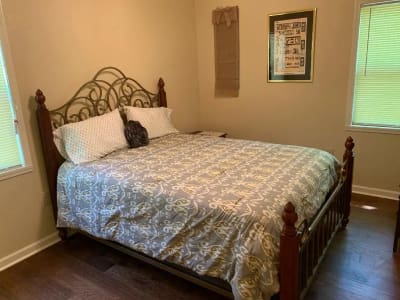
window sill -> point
(15, 172)
(372, 129)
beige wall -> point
(57, 45)
(311, 114)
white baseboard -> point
(364, 190)
(29, 250)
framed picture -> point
(291, 46)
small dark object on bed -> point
(136, 134)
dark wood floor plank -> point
(360, 262)
(23, 282)
(358, 265)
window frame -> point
(16, 104)
(353, 61)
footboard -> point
(302, 248)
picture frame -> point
(291, 38)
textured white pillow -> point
(157, 120)
(91, 139)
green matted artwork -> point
(291, 46)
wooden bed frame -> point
(302, 248)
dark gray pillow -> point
(136, 134)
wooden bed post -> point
(161, 93)
(348, 163)
(43, 117)
(50, 153)
(289, 255)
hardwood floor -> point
(358, 265)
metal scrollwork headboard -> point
(109, 89)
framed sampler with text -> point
(291, 46)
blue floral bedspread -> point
(210, 204)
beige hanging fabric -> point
(226, 49)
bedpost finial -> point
(161, 93)
(161, 83)
(349, 144)
(289, 216)
(40, 98)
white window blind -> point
(376, 97)
(10, 147)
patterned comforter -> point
(212, 205)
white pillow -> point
(157, 120)
(90, 139)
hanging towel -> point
(226, 49)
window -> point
(14, 155)
(376, 85)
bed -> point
(247, 219)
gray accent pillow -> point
(136, 135)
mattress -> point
(212, 205)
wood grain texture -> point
(358, 265)
(289, 245)
(53, 159)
